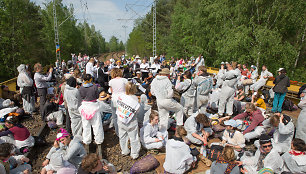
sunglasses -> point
(267, 146)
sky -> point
(104, 14)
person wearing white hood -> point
(264, 76)
(221, 71)
(227, 91)
(26, 89)
(204, 85)
(90, 69)
(188, 90)
(178, 154)
(161, 88)
(73, 99)
(144, 110)
(283, 131)
(295, 159)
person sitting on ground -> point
(265, 157)
(258, 101)
(239, 99)
(22, 138)
(178, 154)
(7, 94)
(264, 76)
(295, 159)
(283, 132)
(105, 107)
(198, 128)
(93, 164)
(5, 103)
(9, 163)
(127, 121)
(51, 111)
(71, 149)
(301, 122)
(254, 118)
(150, 137)
(232, 137)
(225, 163)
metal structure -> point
(56, 38)
(154, 28)
(125, 44)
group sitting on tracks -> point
(173, 108)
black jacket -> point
(281, 83)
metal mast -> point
(154, 28)
(56, 40)
(125, 44)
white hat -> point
(137, 57)
(232, 123)
(280, 69)
(222, 63)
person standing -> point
(41, 84)
(144, 68)
(25, 82)
(301, 122)
(161, 88)
(281, 83)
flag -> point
(57, 48)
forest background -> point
(248, 31)
(254, 32)
(27, 35)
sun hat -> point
(165, 71)
(280, 69)
(232, 123)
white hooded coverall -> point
(148, 134)
(161, 88)
(73, 100)
(187, 98)
(204, 85)
(227, 92)
(262, 81)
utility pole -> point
(125, 44)
(154, 28)
(56, 39)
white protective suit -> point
(282, 136)
(262, 81)
(204, 85)
(23, 80)
(238, 72)
(58, 116)
(187, 98)
(273, 161)
(90, 69)
(143, 112)
(301, 122)
(178, 158)
(73, 100)
(128, 132)
(199, 62)
(294, 164)
(214, 98)
(91, 109)
(227, 92)
(219, 77)
(75, 151)
(192, 126)
(161, 88)
(148, 134)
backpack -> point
(288, 105)
(214, 152)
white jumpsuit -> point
(204, 85)
(187, 98)
(73, 100)
(148, 134)
(161, 88)
(301, 122)
(227, 92)
(23, 80)
(262, 81)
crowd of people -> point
(159, 106)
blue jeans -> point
(278, 102)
